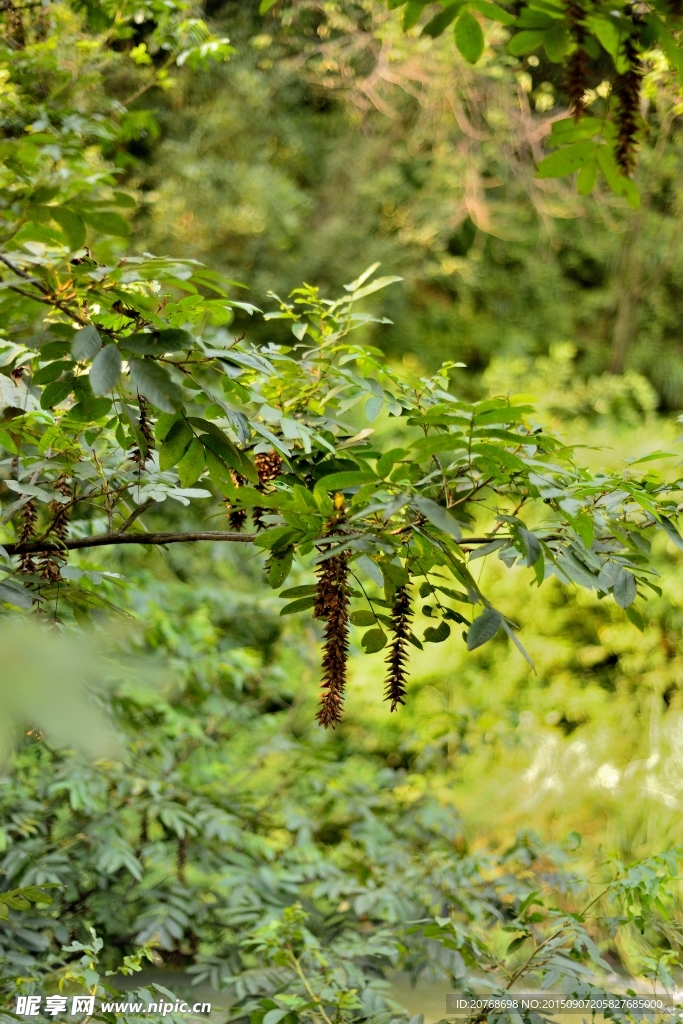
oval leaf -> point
(86, 343)
(105, 370)
(374, 640)
(154, 382)
(624, 590)
(483, 628)
(469, 37)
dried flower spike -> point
(50, 562)
(626, 89)
(332, 605)
(28, 532)
(237, 517)
(268, 466)
(577, 62)
(397, 657)
(145, 426)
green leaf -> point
(442, 20)
(413, 13)
(618, 182)
(89, 409)
(362, 618)
(340, 481)
(56, 393)
(175, 445)
(493, 11)
(71, 224)
(298, 606)
(484, 628)
(264, 6)
(515, 944)
(303, 591)
(14, 593)
(624, 590)
(532, 546)
(671, 532)
(635, 617)
(192, 464)
(223, 447)
(86, 343)
(374, 640)
(556, 42)
(524, 42)
(437, 635)
(107, 222)
(438, 516)
(568, 130)
(157, 343)
(164, 423)
(567, 160)
(154, 382)
(105, 370)
(577, 572)
(587, 177)
(280, 567)
(469, 37)
(46, 374)
(7, 442)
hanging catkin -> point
(397, 658)
(138, 454)
(332, 605)
(268, 466)
(28, 532)
(237, 517)
(626, 89)
(49, 563)
(577, 63)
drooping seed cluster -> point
(332, 605)
(141, 452)
(50, 562)
(626, 89)
(397, 658)
(268, 466)
(577, 63)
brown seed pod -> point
(50, 562)
(397, 658)
(237, 517)
(332, 605)
(576, 79)
(145, 426)
(626, 89)
(268, 466)
(29, 517)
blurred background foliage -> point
(331, 140)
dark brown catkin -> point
(332, 605)
(50, 562)
(28, 532)
(268, 466)
(626, 89)
(145, 426)
(237, 517)
(576, 77)
(397, 658)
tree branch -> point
(104, 539)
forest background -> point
(327, 142)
